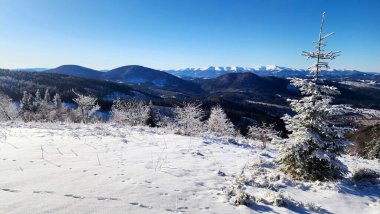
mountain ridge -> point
(139, 76)
(268, 70)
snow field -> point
(105, 168)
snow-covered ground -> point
(105, 168)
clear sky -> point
(162, 34)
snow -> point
(107, 168)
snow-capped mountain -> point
(268, 70)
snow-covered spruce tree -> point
(58, 112)
(44, 109)
(86, 107)
(26, 107)
(37, 100)
(264, 133)
(117, 111)
(188, 118)
(8, 110)
(153, 116)
(219, 124)
(373, 149)
(130, 112)
(314, 144)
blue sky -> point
(104, 34)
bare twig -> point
(42, 152)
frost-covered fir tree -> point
(8, 110)
(37, 100)
(315, 143)
(44, 109)
(86, 107)
(219, 124)
(58, 112)
(27, 107)
(153, 116)
(57, 102)
(188, 118)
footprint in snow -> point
(43, 192)
(145, 206)
(9, 190)
(74, 196)
(107, 199)
(182, 208)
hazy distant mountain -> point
(141, 75)
(76, 70)
(14, 83)
(31, 69)
(249, 87)
(155, 81)
(269, 70)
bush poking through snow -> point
(264, 133)
(366, 175)
(243, 198)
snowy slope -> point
(104, 168)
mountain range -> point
(206, 72)
(245, 95)
(269, 70)
(147, 79)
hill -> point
(14, 83)
(76, 70)
(153, 81)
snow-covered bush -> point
(219, 124)
(188, 119)
(265, 133)
(243, 198)
(315, 143)
(365, 175)
(87, 106)
(58, 112)
(130, 112)
(36, 108)
(8, 110)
